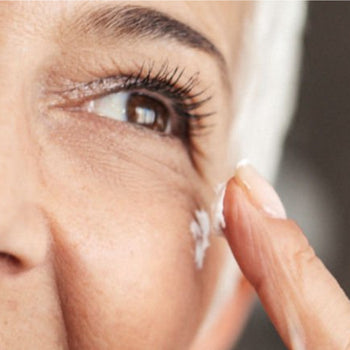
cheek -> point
(139, 287)
(123, 252)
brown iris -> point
(147, 111)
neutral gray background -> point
(314, 179)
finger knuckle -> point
(302, 258)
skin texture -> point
(95, 248)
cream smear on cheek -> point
(230, 274)
(201, 226)
(200, 229)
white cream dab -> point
(218, 209)
(200, 229)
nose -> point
(23, 240)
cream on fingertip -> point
(218, 209)
(243, 162)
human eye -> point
(150, 99)
(134, 107)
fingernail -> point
(260, 191)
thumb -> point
(301, 297)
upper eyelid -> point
(72, 93)
(77, 91)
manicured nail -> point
(260, 191)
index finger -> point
(303, 300)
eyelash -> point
(182, 99)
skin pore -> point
(95, 246)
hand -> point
(301, 297)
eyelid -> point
(189, 87)
(80, 92)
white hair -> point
(267, 85)
(265, 93)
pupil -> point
(147, 111)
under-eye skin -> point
(150, 99)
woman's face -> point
(114, 129)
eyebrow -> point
(146, 23)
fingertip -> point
(241, 220)
(229, 197)
(249, 226)
(233, 198)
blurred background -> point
(314, 176)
